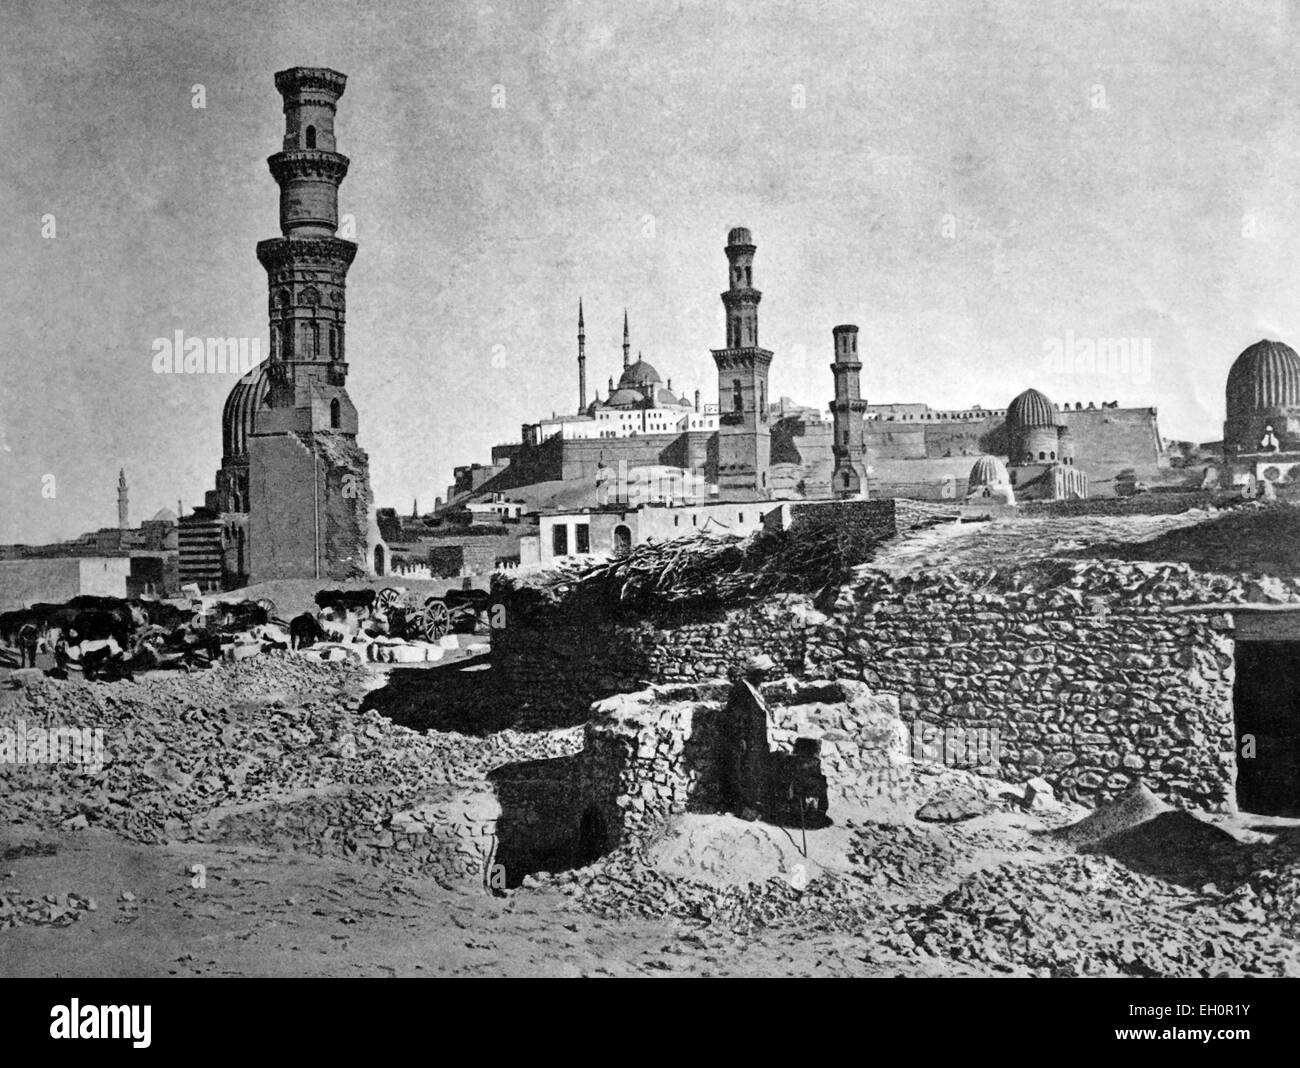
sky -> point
(977, 185)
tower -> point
(847, 409)
(582, 362)
(122, 522)
(744, 434)
(309, 499)
(307, 266)
(627, 344)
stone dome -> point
(740, 235)
(1264, 377)
(639, 374)
(624, 398)
(250, 394)
(988, 471)
(1031, 409)
(164, 515)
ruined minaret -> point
(582, 362)
(744, 436)
(848, 409)
(122, 522)
(309, 496)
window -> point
(1042, 455)
(582, 537)
(677, 520)
(560, 540)
(740, 517)
(311, 136)
(334, 414)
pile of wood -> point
(708, 570)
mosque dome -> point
(250, 394)
(639, 374)
(624, 398)
(988, 471)
(1264, 377)
(164, 515)
(1031, 409)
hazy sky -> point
(966, 183)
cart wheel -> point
(437, 620)
(268, 606)
(388, 597)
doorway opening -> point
(1266, 710)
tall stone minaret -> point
(582, 362)
(307, 267)
(122, 522)
(309, 499)
(847, 410)
(744, 434)
(627, 344)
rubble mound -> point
(1132, 808)
(1088, 915)
(53, 910)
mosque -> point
(292, 498)
(1261, 435)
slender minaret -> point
(122, 523)
(627, 344)
(307, 266)
(415, 508)
(744, 436)
(848, 409)
(582, 362)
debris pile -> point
(52, 910)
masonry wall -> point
(1089, 678)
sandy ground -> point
(877, 893)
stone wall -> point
(1084, 669)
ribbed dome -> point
(1031, 409)
(249, 394)
(1266, 375)
(988, 471)
(740, 235)
(639, 374)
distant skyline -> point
(979, 186)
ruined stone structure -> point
(1093, 675)
(293, 494)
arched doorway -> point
(379, 560)
(622, 540)
(593, 837)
